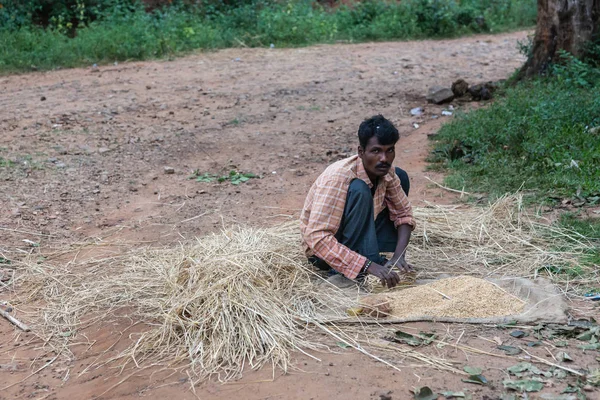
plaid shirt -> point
(324, 208)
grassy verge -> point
(124, 33)
(541, 137)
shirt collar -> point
(361, 173)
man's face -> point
(377, 158)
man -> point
(339, 228)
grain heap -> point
(458, 297)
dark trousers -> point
(359, 231)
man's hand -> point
(388, 277)
(400, 263)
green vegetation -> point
(234, 177)
(68, 33)
(589, 228)
(542, 137)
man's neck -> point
(373, 179)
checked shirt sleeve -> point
(327, 208)
(398, 204)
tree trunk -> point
(561, 25)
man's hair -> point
(381, 128)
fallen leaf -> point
(519, 334)
(476, 379)
(421, 339)
(523, 385)
(563, 356)
(425, 393)
(520, 367)
(589, 346)
(510, 350)
(453, 395)
(472, 370)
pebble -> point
(169, 170)
(588, 388)
(43, 98)
(103, 150)
(416, 111)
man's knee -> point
(404, 181)
(359, 187)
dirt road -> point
(88, 153)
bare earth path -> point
(83, 153)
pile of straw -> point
(223, 301)
(502, 239)
(245, 297)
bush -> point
(542, 136)
(76, 32)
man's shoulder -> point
(343, 169)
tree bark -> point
(561, 25)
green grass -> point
(539, 137)
(128, 33)
(588, 228)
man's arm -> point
(398, 259)
(326, 211)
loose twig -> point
(14, 320)
(540, 359)
(447, 188)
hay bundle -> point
(223, 302)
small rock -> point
(103, 150)
(52, 159)
(95, 68)
(43, 98)
(460, 88)
(588, 388)
(481, 91)
(169, 170)
(485, 93)
(446, 113)
(385, 397)
(61, 165)
(148, 87)
(416, 111)
(439, 95)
